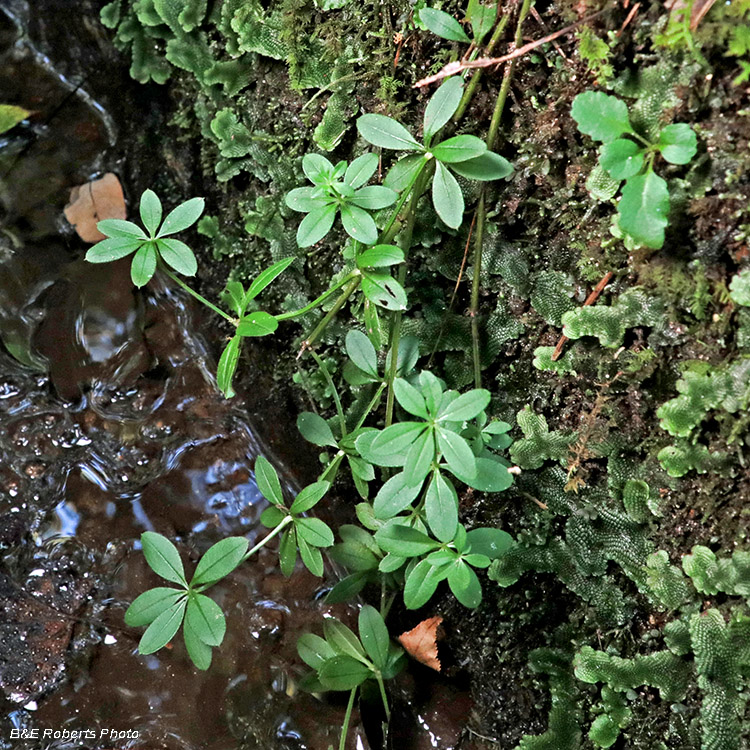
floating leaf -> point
(162, 629)
(206, 619)
(163, 557)
(220, 560)
(150, 604)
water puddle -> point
(111, 424)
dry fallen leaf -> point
(96, 200)
(420, 642)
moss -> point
(712, 575)
(539, 444)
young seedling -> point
(628, 155)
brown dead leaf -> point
(96, 200)
(420, 642)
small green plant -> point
(165, 609)
(628, 155)
(339, 189)
(480, 17)
(739, 288)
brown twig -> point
(540, 21)
(485, 62)
(593, 297)
(629, 18)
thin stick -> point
(486, 62)
(593, 297)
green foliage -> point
(165, 609)
(538, 443)
(552, 295)
(10, 116)
(628, 155)
(605, 729)
(343, 661)
(712, 575)
(739, 288)
(125, 238)
(610, 322)
(543, 361)
(665, 583)
(596, 53)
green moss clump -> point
(552, 295)
(543, 361)
(713, 575)
(539, 444)
(666, 584)
(739, 288)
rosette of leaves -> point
(255, 323)
(298, 532)
(152, 246)
(465, 155)
(164, 609)
(339, 189)
(628, 155)
(343, 661)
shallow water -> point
(110, 425)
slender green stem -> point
(337, 459)
(199, 297)
(383, 695)
(389, 231)
(477, 77)
(266, 539)
(347, 719)
(373, 402)
(481, 214)
(319, 300)
(405, 244)
(327, 375)
(331, 314)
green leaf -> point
(383, 290)
(163, 557)
(354, 555)
(384, 132)
(272, 516)
(317, 168)
(313, 650)
(372, 324)
(489, 542)
(391, 563)
(420, 457)
(441, 507)
(491, 476)
(316, 225)
(374, 197)
(404, 541)
(643, 209)
(234, 296)
(198, 651)
(228, 366)
(447, 197)
(161, 631)
(342, 639)
(464, 584)
(265, 277)
(206, 619)
(305, 199)
(467, 406)
(678, 143)
(150, 604)
(178, 255)
(456, 452)
(421, 583)
(442, 106)
(258, 323)
(314, 531)
(111, 249)
(309, 497)
(404, 172)
(459, 148)
(395, 495)
(362, 352)
(342, 673)
(359, 224)
(393, 441)
(482, 19)
(445, 26)
(143, 266)
(486, 167)
(311, 557)
(288, 552)
(150, 209)
(268, 481)
(347, 588)
(182, 217)
(622, 158)
(380, 256)
(219, 560)
(360, 170)
(315, 429)
(601, 116)
(121, 228)
(410, 398)
(374, 635)
(10, 116)
(432, 391)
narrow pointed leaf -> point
(288, 552)
(143, 266)
(264, 278)
(404, 172)
(258, 323)
(488, 541)
(374, 635)
(342, 639)
(314, 650)
(303, 199)
(309, 497)
(393, 441)
(315, 429)
(227, 366)
(311, 557)
(380, 256)
(456, 452)
(395, 495)
(316, 168)
(361, 351)
(121, 228)
(206, 619)
(442, 106)
(161, 631)
(182, 217)
(441, 507)
(360, 170)
(404, 541)
(465, 585)
(314, 531)
(359, 224)
(374, 197)
(459, 148)
(220, 560)
(150, 604)
(112, 248)
(268, 481)
(198, 651)
(384, 290)
(486, 167)
(421, 583)
(466, 406)
(384, 132)
(163, 557)
(490, 476)
(410, 398)
(342, 673)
